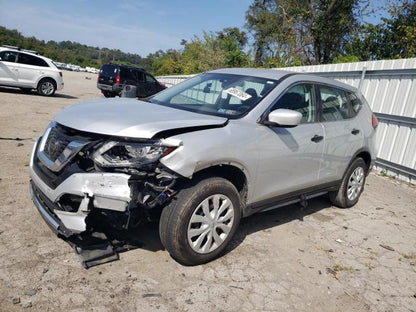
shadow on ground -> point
(146, 235)
(32, 92)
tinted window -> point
(300, 98)
(127, 74)
(150, 79)
(31, 60)
(140, 75)
(8, 56)
(108, 70)
(334, 104)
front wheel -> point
(352, 185)
(199, 223)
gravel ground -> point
(321, 259)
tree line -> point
(277, 33)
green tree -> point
(291, 32)
(233, 42)
(393, 37)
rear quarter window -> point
(356, 104)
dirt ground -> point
(322, 259)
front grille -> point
(55, 144)
(58, 139)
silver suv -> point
(205, 153)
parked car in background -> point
(113, 77)
(27, 70)
(205, 153)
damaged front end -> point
(84, 182)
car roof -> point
(26, 52)
(277, 74)
(125, 66)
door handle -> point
(316, 138)
(355, 131)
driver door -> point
(290, 158)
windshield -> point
(224, 95)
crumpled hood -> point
(130, 118)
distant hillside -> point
(71, 52)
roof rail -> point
(19, 49)
(125, 65)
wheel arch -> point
(235, 174)
(365, 155)
(44, 78)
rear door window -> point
(127, 74)
(334, 103)
(140, 75)
(31, 60)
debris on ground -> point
(26, 304)
(30, 292)
(387, 247)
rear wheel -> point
(46, 87)
(197, 226)
(352, 185)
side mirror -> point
(284, 118)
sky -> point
(134, 26)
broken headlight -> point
(123, 154)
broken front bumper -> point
(94, 190)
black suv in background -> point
(113, 77)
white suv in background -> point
(26, 70)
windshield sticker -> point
(238, 93)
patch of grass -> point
(393, 214)
(408, 256)
(370, 266)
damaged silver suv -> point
(205, 153)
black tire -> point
(175, 221)
(46, 87)
(352, 185)
(109, 94)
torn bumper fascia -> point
(102, 190)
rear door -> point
(290, 158)
(151, 85)
(343, 133)
(30, 69)
(9, 69)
